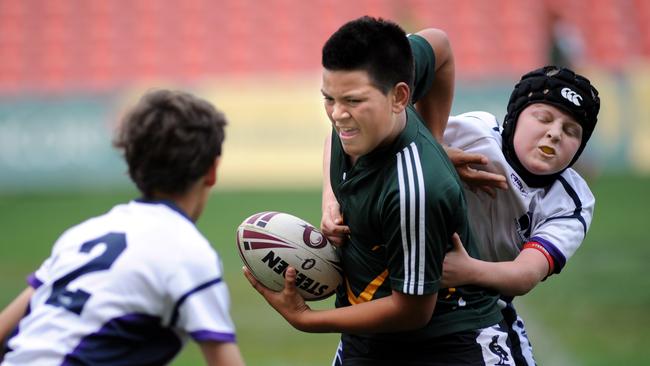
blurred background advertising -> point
(69, 67)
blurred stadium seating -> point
(69, 67)
(60, 45)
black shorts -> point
(487, 346)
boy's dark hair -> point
(562, 88)
(374, 45)
(169, 140)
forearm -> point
(512, 278)
(221, 354)
(389, 314)
(11, 315)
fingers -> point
(470, 158)
(455, 239)
(290, 281)
(460, 157)
(474, 177)
(482, 178)
(253, 281)
(337, 219)
(457, 246)
(332, 225)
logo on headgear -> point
(571, 96)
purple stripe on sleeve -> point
(33, 281)
(558, 258)
(207, 335)
(181, 300)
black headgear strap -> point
(561, 88)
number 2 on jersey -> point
(74, 301)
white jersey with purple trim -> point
(128, 288)
(557, 217)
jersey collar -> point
(167, 203)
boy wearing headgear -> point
(528, 231)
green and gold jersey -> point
(402, 203)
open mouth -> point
(347, 132)
(547, 150)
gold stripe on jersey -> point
(368, 292)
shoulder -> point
(466, 129)
(423, 167)
(424, 59)
(420, 46)
(568, 197)
(85, 230)
(430, 41)
(572, 185)
(176, 239)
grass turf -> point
(594, 313)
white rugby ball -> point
(269, 242)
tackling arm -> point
(435, 105)
(510, 278)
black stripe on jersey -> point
(576, 200)
(411, 188)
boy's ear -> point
(401, 96)
(211, 175)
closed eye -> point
(573, 131)
(543, 116)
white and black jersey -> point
(556, 217)
(552, 219)
(128, 288)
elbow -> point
(440, 42)
(414, 321)
(421, 320)
(519, 291)
(526, 282)
(435, 35)
(418, 315)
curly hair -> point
(169, 140)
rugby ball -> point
(269, 242)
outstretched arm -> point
(475, 178)
(511, 278)
(397, 312)
(221, 354)
(435, 105)
(11, 315)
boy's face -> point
(364, 118)
(546, 138)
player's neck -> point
(191, 202)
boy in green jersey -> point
(402, 200)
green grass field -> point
(594, 313)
